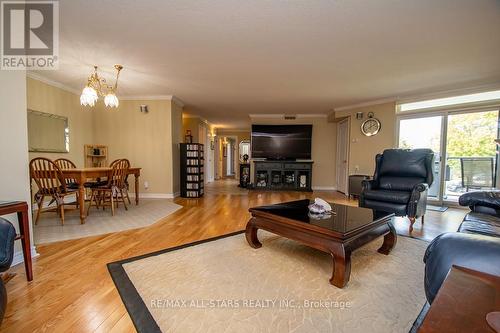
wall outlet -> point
(146, 185)
(356, 168)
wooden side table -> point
(462, 302)
(21, 208)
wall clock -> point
(370, 126)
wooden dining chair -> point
(111, 193)
(126, 183)
(51, 183)
(64, 164)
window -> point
(449, 101)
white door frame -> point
(347, 123)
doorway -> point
(342, 155)
(464, 146)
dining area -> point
(90, 188)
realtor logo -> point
(30, 35)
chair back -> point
(119, 173)
(477, 172)
(402, 169)
(114, 162)
(47, 175)
(65, 164)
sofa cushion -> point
(401, 197)
(389, 207)
(477, 223)
(479, 217)
(399, 183)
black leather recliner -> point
(7, 237)
(400, 183)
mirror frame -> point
(249, 150)
(66, 133)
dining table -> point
(81, 175)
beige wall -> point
(177, 138)
(143, 138)
(46, 98)
(362, 148)
(324, 139)
(149, 140)
(191, 123)
(14, 144)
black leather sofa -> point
(400, 183)
(7, 237)
(476, 245)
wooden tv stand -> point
(282, 175)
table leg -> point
(251, 235)
(24, 230)
(136, 189)
(81, 199)
(341, 265)
(390, 240)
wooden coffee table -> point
(345, 230)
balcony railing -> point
(469, 173)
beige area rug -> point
(99, 222)
(224, 285)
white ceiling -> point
(226, 59)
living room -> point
(252, 166)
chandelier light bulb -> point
(88, 97)
(111, 100)
(97, 86)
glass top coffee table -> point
(339, 233)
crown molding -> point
(283, 115)
(178, 101)
(312, 115)
(52, 83)
(59, 85)
(195, 116)
(368, 103)
(416, 97)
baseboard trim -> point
(18, 256)
(324, 188)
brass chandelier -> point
(97, 86)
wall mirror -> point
(244, 148)
(47, 132)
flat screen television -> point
(281, 142)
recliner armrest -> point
(477, 252)
(421, 187)
(486, 202)
(418, 192)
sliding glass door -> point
(464, 147)
(471, 153)
(424, 132)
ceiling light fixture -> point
(97, 86)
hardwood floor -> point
(73, 292)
